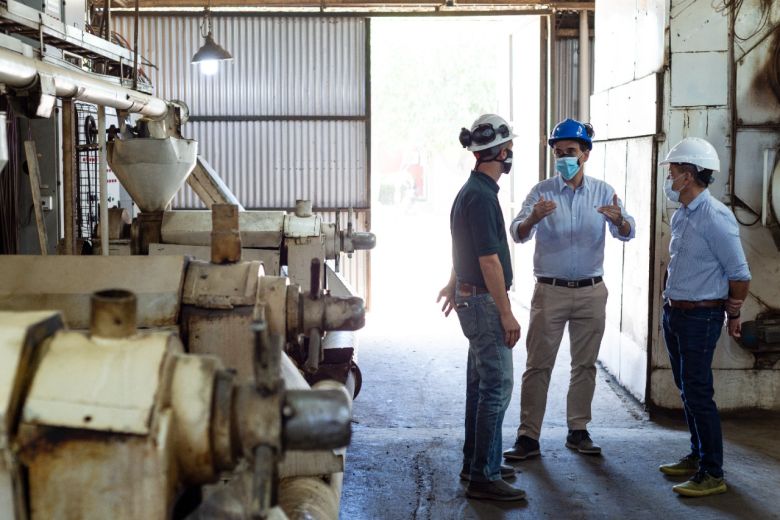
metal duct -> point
(22, 72)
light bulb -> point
(209, 67)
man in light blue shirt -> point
(569, 215)
(707, 276)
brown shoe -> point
(494, 490)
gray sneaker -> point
(495, 490)
(580, 440)
(525, 447)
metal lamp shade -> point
(211, 51)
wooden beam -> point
(378, 6)
(69, 194)
(34, 172)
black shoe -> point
(525, 447)
(506, 472)
(495, 490)
(580, 440)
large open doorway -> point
(429, 78)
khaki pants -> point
(552, 307)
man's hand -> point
(448, 293)
(511, 329)
(612, 212)
(735, 327)
(542, 208)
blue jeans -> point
(488, 385)
(690, 337)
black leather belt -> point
(571, 284)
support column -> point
(584, 96)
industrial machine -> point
(116, 422)
(198, 412)
(152, 162)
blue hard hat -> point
(571, 129)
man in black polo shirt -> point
(477, 290)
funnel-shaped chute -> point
(152, 170)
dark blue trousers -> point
(691, 335)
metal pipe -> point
(584, 67)
(113, 313)
(103, 180)
(20, 72)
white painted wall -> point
(629, 54)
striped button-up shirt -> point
(570, 241)
(705, 251)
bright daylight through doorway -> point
(429, 78)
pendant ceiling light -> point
(211, 53)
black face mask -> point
(506, 164)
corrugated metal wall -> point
(567, 70)
(286, 119)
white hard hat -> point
(487, 131)
(696, 151)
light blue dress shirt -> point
(705, 251)
(570, 241)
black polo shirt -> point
(477, 227)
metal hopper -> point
(152, 170)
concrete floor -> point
(405, 455)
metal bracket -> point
(48, 95)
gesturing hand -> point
(542, 208)
(448, 293)
(612, 211)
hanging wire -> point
(765, 8)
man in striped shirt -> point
(707, 276)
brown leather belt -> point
(467, 289)
(687, 304)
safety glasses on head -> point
(488, 131)
(485, 133)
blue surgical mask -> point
(567, 167)
(670, 192)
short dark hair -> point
(493, 151)
(702, 177)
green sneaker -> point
(685, 466)
(702, 484)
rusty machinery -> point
(202, 301)
(117, 422)
(213, 305)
